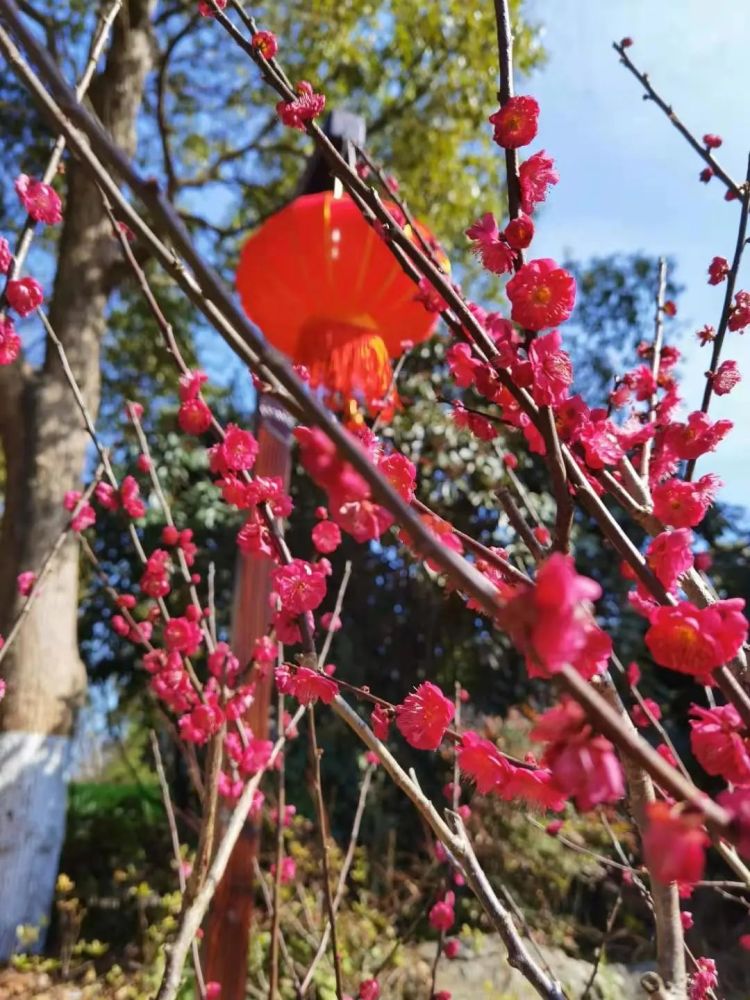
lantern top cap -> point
(345, 129)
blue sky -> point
(629, 181)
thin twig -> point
(268, 900)
(320, 809)
(519, 525)
(436, 963)
(46, 566)
(176, 850)
(603, 945)
(505, 92)
(661, 291)
(273, 958)
(651, 94)
(193, 916)
(343, 874)
(336, 616)
(727, 307)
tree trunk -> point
(45, 448)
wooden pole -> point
(227, 929)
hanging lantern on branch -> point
(325, 289)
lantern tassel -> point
(349, 361)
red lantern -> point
(326, 290)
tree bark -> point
(45, 446)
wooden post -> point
(227, 930)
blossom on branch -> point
(551, 621)
(696, 641)
(516, 122)
(40, 200)
(299, 586)
(482, 762)
(326, 536)
(670, 555)
(6, 257)
(266, 43)
(207, 8)
(583, 764)
(492, 249)
(720, 743)
(424, 715)
(718, 270)
(303, 109)
(519, 232)
(462, 364)
(552, 368)
(682, 504)
(725, 378)
(536, 175)
(24, 295)
(10, 342)
(674, 844)
(541, 294)
(442, 916)
(739, 314)
(697, 436)
(306, 685)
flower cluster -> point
(303, 109)
(349, 497)
(551, 622)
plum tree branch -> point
(727, 307)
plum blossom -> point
(300, 586)
(552, 368)
(697, 436)
(492, 249)
(542, 294)
(718, 269)
(516, 122)
(10, 342)
(535, 176)
(695, 640)
(442, 916)
(482, 762)
(306, 685)
(720, 743)
(551, 622)
(706, 977)
(40, 200)
(670, 555)
(326, 536)
(583, 763)
(304, 108)
(682, 504)
(266, 43)
(424, 716)
(6, 256)
(519, 232)
(24, 295)
(725, 378)
(25, 582)
(674, 844)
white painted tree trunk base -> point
(33, 794)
